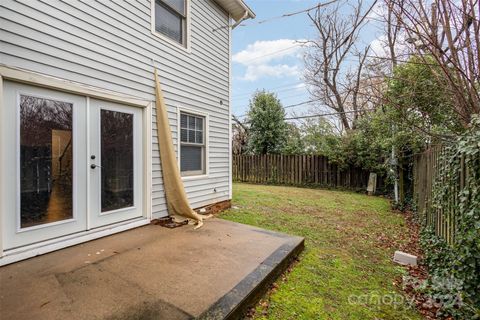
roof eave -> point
(251, 14)
(238, 9)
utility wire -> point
(273, 53)
(289, 106)
(294, 105)
(277, 93)
(290, 14)
(285, 15)
(301, 94)
(298, 104)
(327, 114)
(293, 85)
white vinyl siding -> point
(109, 44)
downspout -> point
(236, 24)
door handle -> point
(93, 166)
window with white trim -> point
(171, 19)
(192, 144)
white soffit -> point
(237, 9)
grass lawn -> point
(346, 267)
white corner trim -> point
(230, 136)
(148, 145)
(46, 81)
(3, 170)
(171, 43)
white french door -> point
(68, 164)
(43, 177)
(115, 163)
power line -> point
(327, 114)
(299, 104)
(289, 106)
(302, 94)
(281, 86)
(272, 53)
(290, 14)
(285, 15)
(277, 93)
(294, 105)
(309, 101)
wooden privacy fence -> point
(297, 170)
(426, 171)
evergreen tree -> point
(268, 129)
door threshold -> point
(36, 249)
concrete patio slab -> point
(150, 273)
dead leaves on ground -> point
(417, 275)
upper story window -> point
(171, 19)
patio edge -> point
(246, 293)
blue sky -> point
(265, 56)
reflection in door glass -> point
(46, 161)
(117, 160)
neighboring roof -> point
(237, 9)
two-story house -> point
(78, 144)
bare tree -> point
(392, 29)
(239, 136)
(334, 80)
(449, 32)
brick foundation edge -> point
(216, 207)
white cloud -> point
(254, 72)
(261, 52)
(259, 58)
(300, 86)
(378, 13)
(379, 46)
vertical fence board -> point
(427, 173)
(297, 170)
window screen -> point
(192, 144)
(170, 19)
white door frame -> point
(40, 80)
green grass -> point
(349, 242)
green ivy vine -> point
(455, 268)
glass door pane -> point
(46, 161)
(117, 160)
